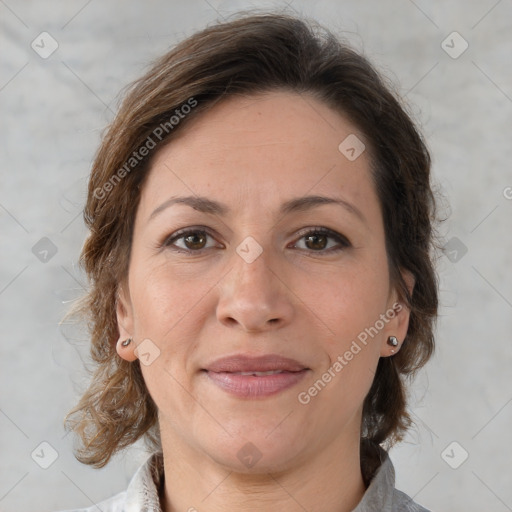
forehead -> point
(262, 149)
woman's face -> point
(244, 269)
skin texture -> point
(298, 299)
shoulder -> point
(141, 494)
(381, 494)
(403, 503)
(114, 504)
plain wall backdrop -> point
(451, 61)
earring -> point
(126, 342)
(393, 342)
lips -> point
(266, 363)
(259, 374)
(255, 377)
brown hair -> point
(251, 54)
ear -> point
(124, 313)
(398, 315)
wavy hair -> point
(250, 54)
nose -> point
(254, 296)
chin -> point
(255, 451)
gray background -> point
(53, 113)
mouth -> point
(257, 374)
(255, 377)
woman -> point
(260, 217)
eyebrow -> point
(299, 204)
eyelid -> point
(181, 233)
(342, 240)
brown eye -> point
(191, 240)
(195, 241)
(316, 241)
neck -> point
(330, 481)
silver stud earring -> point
(126, 342)
(393, 341)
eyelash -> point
(340, 239)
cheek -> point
(349, 305)
(349, 308)
(167, 306)
(164, 297)
(166, 309)
(345, 302)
